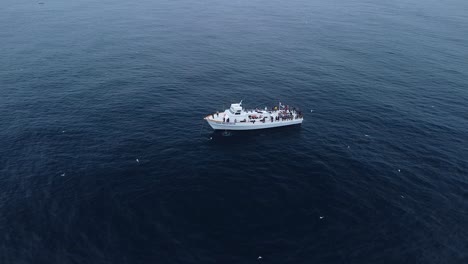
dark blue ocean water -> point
(377, 173)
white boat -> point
(238, 118)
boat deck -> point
(253, 119)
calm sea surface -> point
(377, 173)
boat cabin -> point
(236, 109)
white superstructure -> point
(238, 118)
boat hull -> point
(252, 126)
